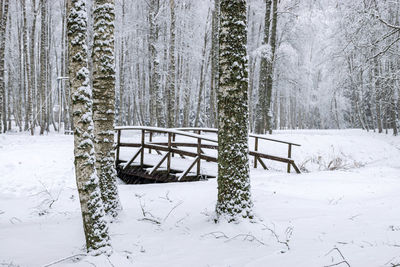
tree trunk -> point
(103, 103)
(203, 67)
(270, 69)
(266, 57)
(3, 24)
(214, 64)
(43, 50)
(154, 63)
(234, 197)
(171, 70)
(94, 224)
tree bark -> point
(234, 199)
(3, 24)
(171, 70)
(214, 64)
(262, 105)
(103, 103)
(94, 224)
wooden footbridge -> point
(160, 145)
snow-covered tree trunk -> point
(29, 107)
(262, 106)
(3, 22)
(104, 102)
(155, 105)
(43, 51)
(214, 63)
(170, 89)
(95, 226)
(234, 199)
(33, 77)
(203, 68)
(270, 69)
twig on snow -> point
(112, 265)
(289, 232)
(15, 219)
(247, 237)
(146, 214)
(217, 235)
(344, 261)
(167, 197)
(64, 259)
(174, 207)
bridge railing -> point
(256, 140)
(172, 147)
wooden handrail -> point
(214, 130)
(166, 130)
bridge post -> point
(255, 149)
(150, 140)
(117, 152)
(199, 155)
(142, 152)
(289, 156)
(173, 139)
(169, 154)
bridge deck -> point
(160, 170)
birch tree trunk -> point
(214, 64)
(262, 106)
(29, 108)
(32, 61)
(154, 64)
(234, 199)
(170, 90)
(104, 104)
(95, 227)
(203, 69)
(3, 24)
(270, 69)
(43, 51)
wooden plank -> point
(158, 164)
(169, 153)
(295, 168)
(118, 147)
(165, 130)
(142, 145)
(289, 156)
(199, 152)
(182, 144)
(266, 156)
(150, 140)
(188, 169)
(262, 163)
(214, 130)
(183, 152)
(133, 158)
(255, 149)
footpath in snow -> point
(342, 208)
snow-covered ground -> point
(347, 198)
